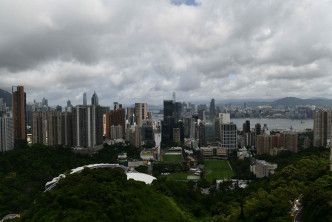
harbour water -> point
(277, 124)
(272, 124)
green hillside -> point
(103, 195)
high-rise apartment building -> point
(19, 116)
(67, 128)
(263, 144)
(131, 115)
(39, 131)
(54, 128)
(322, 127)
(141, 113)
(6, 134)
(115, 118)
(87, 126)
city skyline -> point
(141, 52)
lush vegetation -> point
(217, 170)
(24, 171)
(103, 195)
(97, 195)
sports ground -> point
(217, 170)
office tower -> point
(258, 129)
(244, 105)
(228, 136)
(209, 132)
(69, 104)
(246, 127)
(168, 123)
(147, 135)
(39, 127)
(67, 128)
(201, 107)
(85, 99)
(322, 127)
(131, 115)
(201, 114)
(53, 128)
(6, 134)
(115, 118)
(189, 127)
(178, 111)
(44, 102)
(117, 105)
(212, 109)
(94, 99)
(201, 129)
(263, 144)
(19, 117)
(87, 126)
(58, 108)
(217, 129)
(174, 96)
(167, 126)
(225, 118)
(141, 113)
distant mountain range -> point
(293, 101)
(7, 97)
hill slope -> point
(293, 101)
(103, 195)
(7, 97)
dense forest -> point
(105, 195)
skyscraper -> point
(67, 128)
(228, 136)
(212, 109)
(54, 128)
(19, 116)
(322, 127)
(39, 127)
(115, 118)
(85, 100)
(6, 134)
(174, 96)
(141, 112)
(87, 126)
(94, 99)
(69, 104)
(131, 115)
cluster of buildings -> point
(203, 128)
(297, 112)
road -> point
(298, 214)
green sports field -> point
(217, 169)
(172, 158)
(183, 176)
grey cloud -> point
(130, 50)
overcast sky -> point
(141, 51)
